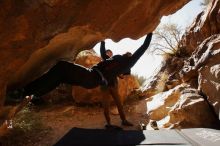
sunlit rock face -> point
(81, 95)
(180, 107)
(167, 78)
(35, 25)
(209, 74)
(205, 25)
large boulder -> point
(81, 95)
(181, 107)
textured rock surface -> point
(27, 26)
(82, 95)
(181, 107)
(209, 74)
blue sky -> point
(149, 62)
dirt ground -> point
(45, 125)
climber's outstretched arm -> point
(137, 54)
(103, 51)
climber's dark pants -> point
(63, 72)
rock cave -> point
(36, 34)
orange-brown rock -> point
(56, 29)
(81, 95)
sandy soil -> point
(45, 125)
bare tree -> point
(167, 38)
